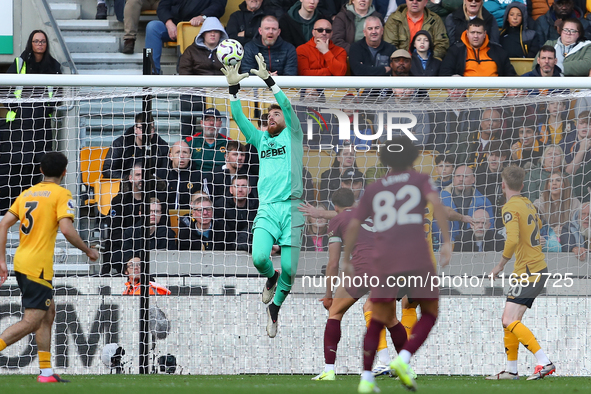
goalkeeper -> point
(278, 220)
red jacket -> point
(312, 62)
(155, 288)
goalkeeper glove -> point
(262, 71)
(233, 77)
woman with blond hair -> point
(457, 22)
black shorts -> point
(525, 295)
(34, 295)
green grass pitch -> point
(284, 384)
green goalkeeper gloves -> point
(233, 77)
(262, 72)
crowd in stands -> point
(209, 182)
(358, 37)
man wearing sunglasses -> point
(320, 56)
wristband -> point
(269, 81)
(233, 89)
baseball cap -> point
(351, 174)
(400, 53)
(212, 112)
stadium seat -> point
(317, 162)
(104, 191)
(425, 163)
(185, 35)
(522, 65)
(91, 165)
(231, 7)
(175, 215)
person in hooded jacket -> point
(200, 57)
(423, 62)
(516, 36)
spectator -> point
(323, 124)
(548, 26)
(243, 24)
(352, 179)
(309, 189)
(453, 127)
(208, 146)
(552, 160)
(349, 23)
(546, 64)
(197, 230)
(370, 55)
(223, 175)
(475, 151)
(406, 97)
(200, 57)
(131, 20)
(488, 177)
(526, 152)
(376, 172)
(326, 7)
(456, 23)
(161, 236)
(126, 212)
(554, 126)
(235, 215)
(579, 234)
(476, 56)
(423, 62)
(517, 38)
(280, 56)
(26, 129)
(170, 13)
(444, 168)
(350, 101)
(408, 20)
(573, 51)
(131, 147)
(465, 199)
(578, 144)
(556, 205)
(181, 177)
(480, 237)
(444, 7)
(498, 9)
(297, 24)
(315, 235)
(400, 62)
(320, 56)
(330, 180)
(133, 269)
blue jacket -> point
(478, 202)
(281, 56)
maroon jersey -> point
(364, 245)
(396, 204)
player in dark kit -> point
(345, 296)
(400, 255)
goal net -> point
(189, 198)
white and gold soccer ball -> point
(230, 52)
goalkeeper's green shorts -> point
(282, 220)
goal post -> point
(213, 321)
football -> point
(230, 52)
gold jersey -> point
(428, 226)
(523, 235)
(39, 209)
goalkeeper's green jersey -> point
(280, 157)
